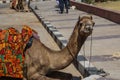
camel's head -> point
(85, 24)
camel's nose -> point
(89, 28)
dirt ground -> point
(11, 18)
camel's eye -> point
(80, 24)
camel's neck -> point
(65, 57)
(75, 42)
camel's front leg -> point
(37, 76)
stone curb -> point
(86, 70)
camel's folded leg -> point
(37, 76)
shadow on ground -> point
(62, 76)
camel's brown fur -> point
(40, 59)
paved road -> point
(11, 18)
(105, 38)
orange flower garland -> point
(12, 44)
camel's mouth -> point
(88, 29)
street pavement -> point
(105, 46)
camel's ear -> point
(79, 21)
(91, 17)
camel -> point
(40, 60)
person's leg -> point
(61, 6)
(66, 5)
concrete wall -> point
(108, 14)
